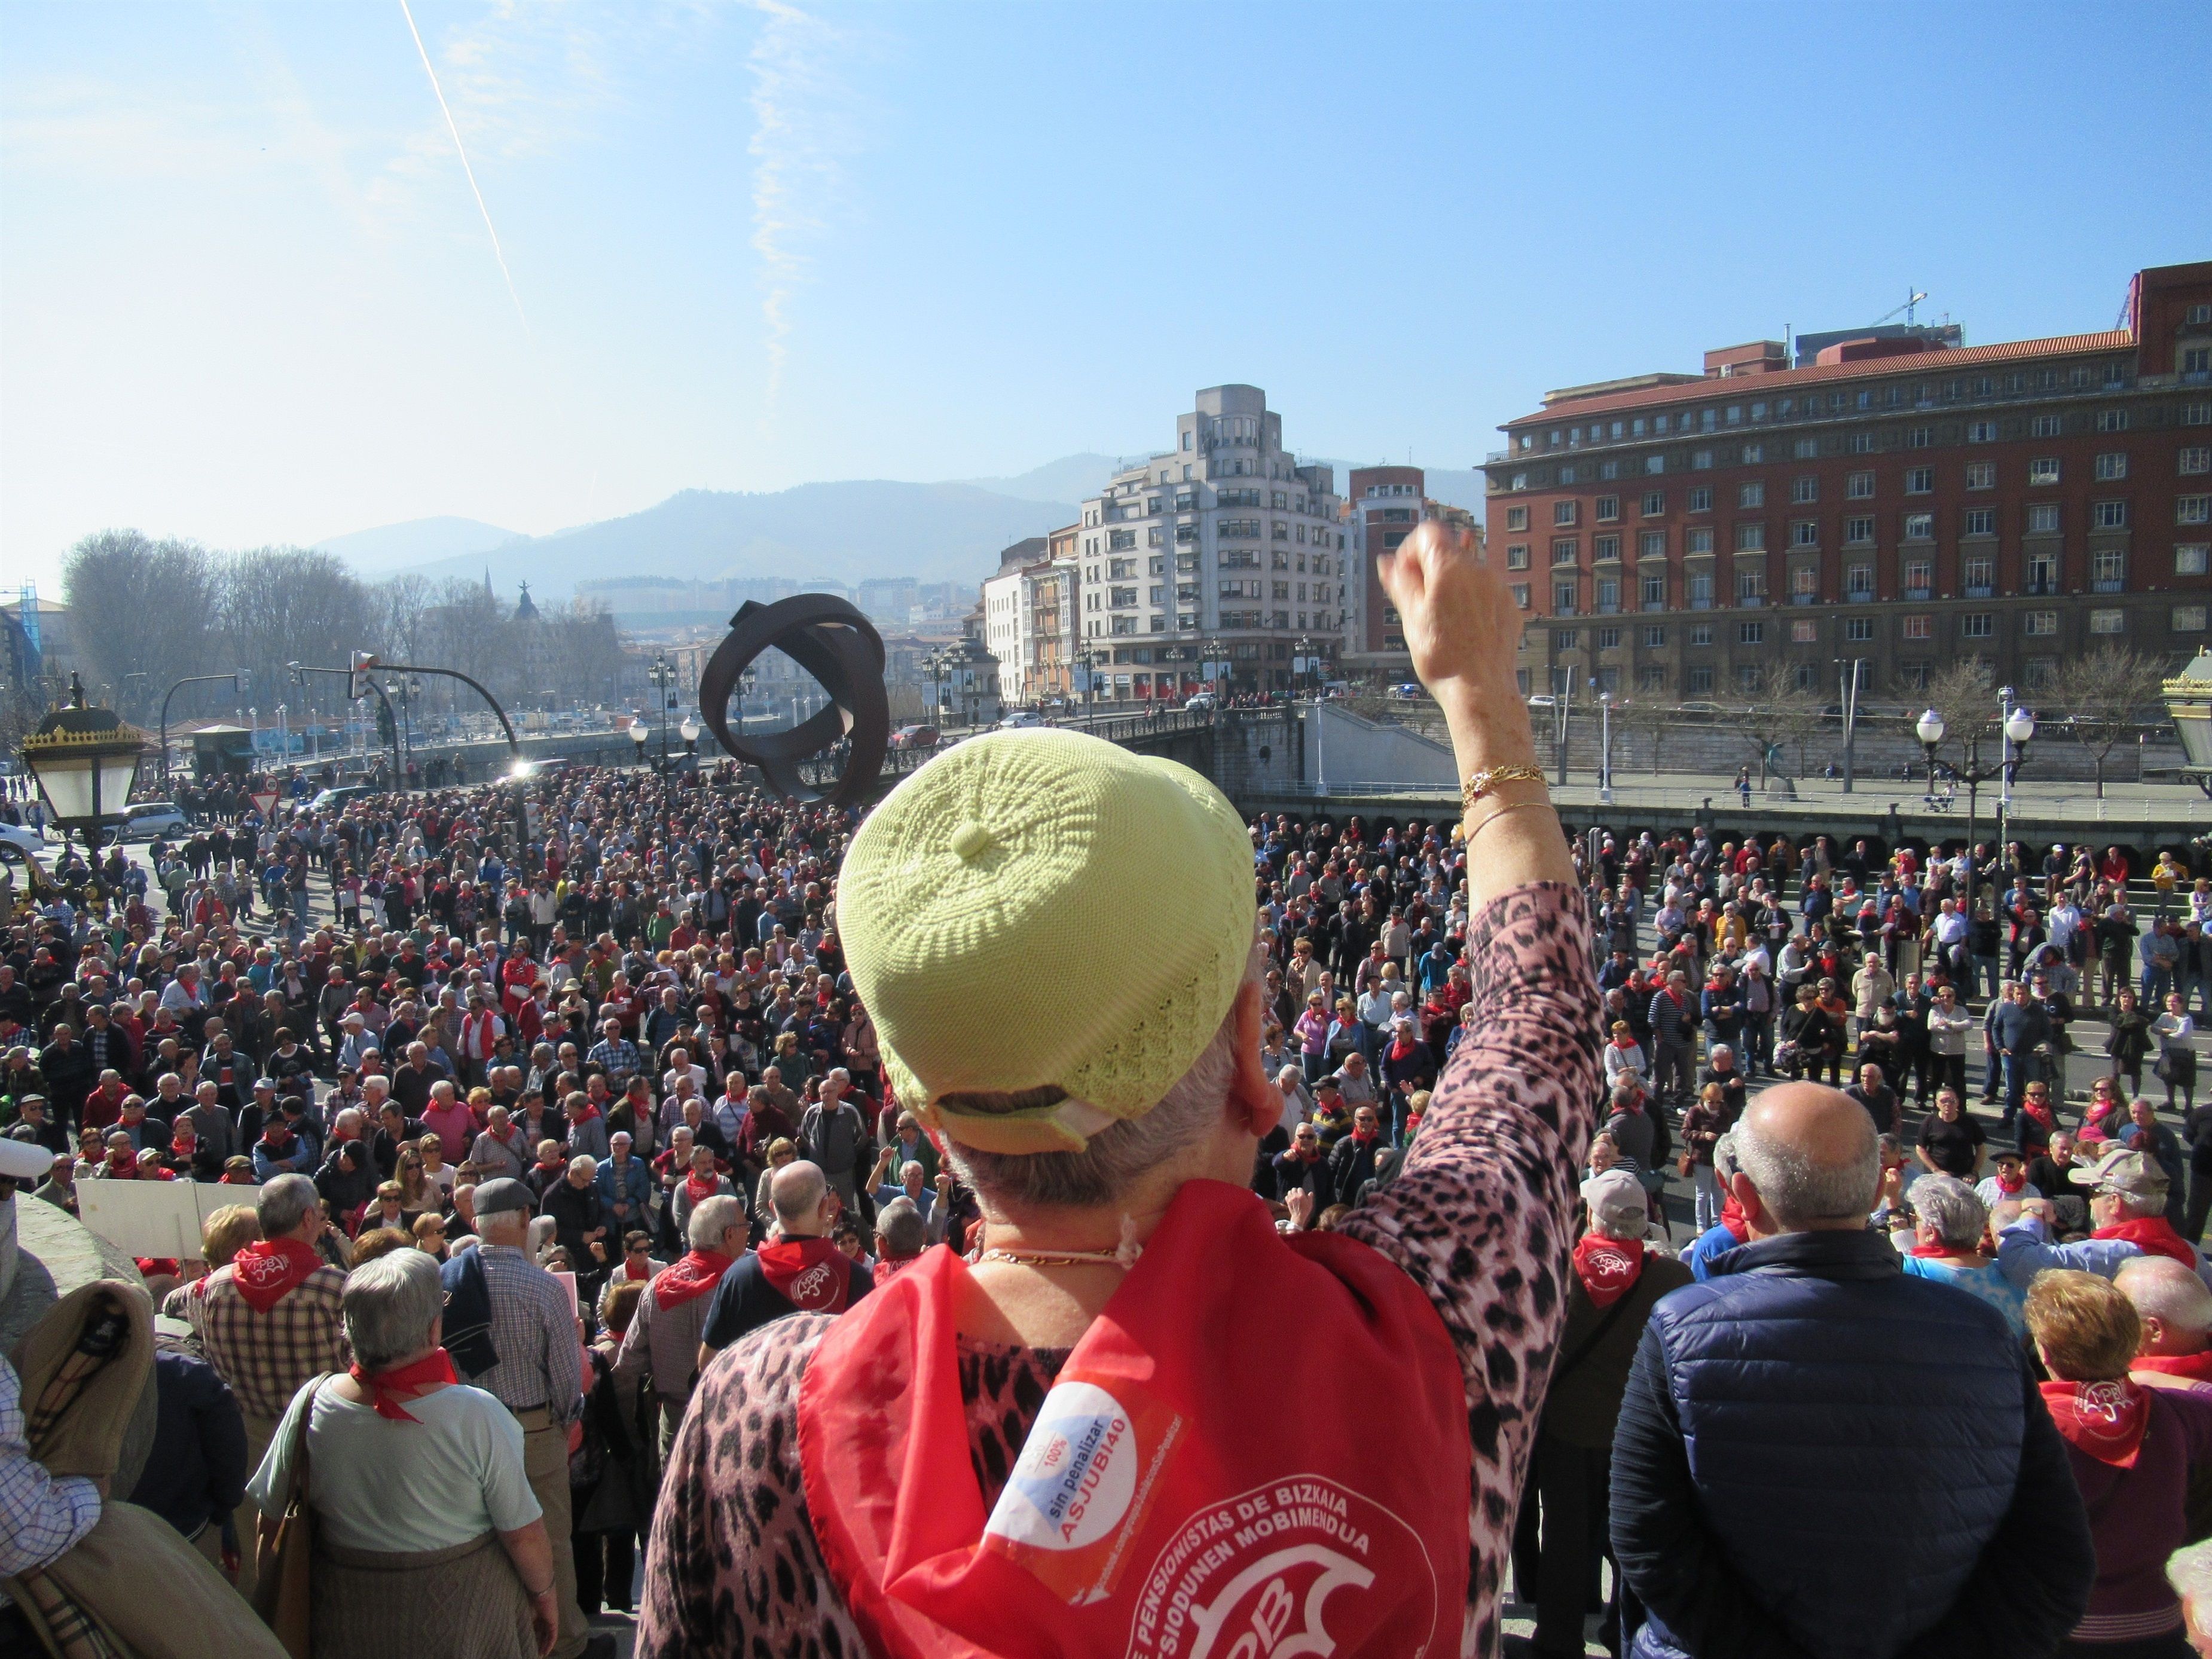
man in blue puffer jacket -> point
(1819, 1457)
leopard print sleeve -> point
(1481, 1215)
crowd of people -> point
(596, 1137)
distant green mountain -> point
(394, 547)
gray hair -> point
(1799, 1193)
(1117, 1155)
(284, 1203)
(585, 1162)
(901, 1229)
(1725, 1156)
(710, 1218)
(389, 1305)
(1627, 1221)
(539, 1230)
(1952, 1209)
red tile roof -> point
(1787, 381)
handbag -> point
(281, 1591)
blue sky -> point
(246, 294)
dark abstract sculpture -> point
(838, 646)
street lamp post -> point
(2017, 729)
(85, 760)
(1605, 761)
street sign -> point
(264, 801)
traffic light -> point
(364, 664)
(245, 679)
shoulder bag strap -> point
(1583, 1351)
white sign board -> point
(155, 1218)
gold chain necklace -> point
(1058, 1257)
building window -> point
(1806, 449)
(2038, 624)
(1701, 460)
(1805, 584)
(2188, 619)
(1919, 437)
(1858, 530)
(1608, 509)
(2111, 420)
(2108, 570)
(1920, 626)
(1701, 633)
(1804, 633)
(2043, 518)
(1980, 521)
(1858, 581)
(1701, 591)
(1701, 499)
(1981, 432)
(1655, 503)
(1750, 588)
(2043, 426)
(1655, 637)
(2190, 559)
(1751, 539)
(1698, 541)
(2113, 515)
(1563, 513)
(1804, 490)
(1981, 475)
(1118, 539)
(2192, 461)
(1517, 517)
(1919, 577)
(1654, 590)
(1859, 487)
(1651, 544)
(2043, 573)
(1698, 680)
(1920, 481)
(1751, 495)
(1565, 596)
(1976, 625)
(1651, 676)
(2112, 465)
(1753, 454)
(1521, 596)
(1910, 676)
(1605, 547)
(1517, 556)
(2044, 469)
(2187, 509)
(1979, 576)
(2108, 622)
(1858, 630)
(1919, 526)
(1567, 550)
(1805, 533)
(1654, 462)
(1609, 639)
(1747, 678)
(1860, 443)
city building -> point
(1207, 563)
(1902, 503)
(1383, 505)
(1029, 611)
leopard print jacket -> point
(1481, 1215)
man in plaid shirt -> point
(617, 1054)
(271, 1331)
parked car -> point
(915, 737)
(150, 818)
(1020, 718)
(333, 799)
(24, 838)
(1202, 703)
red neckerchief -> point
(1366, 1137)
(387, 1389)
(585, 1112)
(813, 1274)
(124, 1169)
(632, 1272)
(1607, 1268)
(1151, 1506)
(2153, 1234)
(266, 1270)
(1924, 1251)
(701, 1191)
(2040, 1113)
(2197, 1367)
(2103, 1420)
(689, 1276)
(2012, 1183)
(1732, 1218)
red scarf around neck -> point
(1608, 1267)
(1732, 1218)
(1151, 1507)
(266, 1270)
(2197, 1367)
(813, 1274)
(700, 1191)
(689, 1276)
(2104, 1420)
(2010, 1184)
(387, 1389)
(2153, 1235)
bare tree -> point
(2103, 696)
(144, 615)
(1652, 717)
(1782, 712)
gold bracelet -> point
(1490, 819)
(1481, 782)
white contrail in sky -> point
(792, 171)
(470, 172)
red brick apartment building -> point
(1896, 499)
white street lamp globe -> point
(1930, 727)
(637, 734)
(2021, 726)
(690, 728)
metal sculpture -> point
(841, 648)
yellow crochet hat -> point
(1042, 909)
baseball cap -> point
(504, 1193)
(1615, 1192)
(2121, 1171)
(1043, 910)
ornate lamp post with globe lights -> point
(85, 760)
(2017, 729)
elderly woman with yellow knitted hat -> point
(1074, 1445)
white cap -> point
(26, 1160)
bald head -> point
(796, 1193)
(1807, 1160)
(2171, 1300)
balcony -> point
(1608, 607)
(1701, 603)
(1804, 599)
(1655, 605)
(1980, 590)
(1919, 592)
(2041, 587)
(2109, 585)
(1858, 596)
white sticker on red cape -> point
(1076, 1475)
